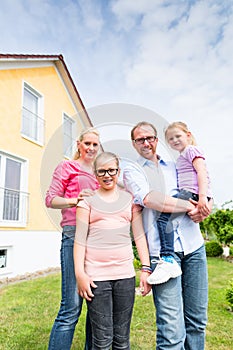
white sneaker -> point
(166, 268)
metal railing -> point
(13, 205)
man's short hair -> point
(140, 125)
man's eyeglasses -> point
(141, 140)
(102, 172)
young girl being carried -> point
(103, 256)
(193, 183)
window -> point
(68, 136)
(32, 121)
(3, 258)
(6, 257)
(13, 198)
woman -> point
(69, 179)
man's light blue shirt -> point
(144, 176)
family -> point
(162, 202)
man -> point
(181, 303)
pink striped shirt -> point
(187, 175)
(68, 181)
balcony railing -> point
(13, 205)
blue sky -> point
(172, 57)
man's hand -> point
(196, 215)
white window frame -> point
(8, 259)
(22, 193)
(68, 152)
(36, 119)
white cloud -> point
(173, 57)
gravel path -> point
(28, 276)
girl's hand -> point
(202, 206)
(145, 288)
(85, 283)
(196, 215)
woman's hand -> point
(87, 192)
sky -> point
(162, 60)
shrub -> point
(137, 264)
(219, 224)
(135, 252)
(213, 248)
(231, 251)
(229, 294)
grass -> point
(27, 310)
(219, 333)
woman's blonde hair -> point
(182, 126)
(89, 130)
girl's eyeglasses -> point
(102, 172)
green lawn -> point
(27, 310)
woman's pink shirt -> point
(68, 181)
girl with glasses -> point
(103, 256)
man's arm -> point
(161, 202)
(136, 182)
(158, 201)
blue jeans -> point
(165, 226)
(71, 304)
(181, 304)
(110, 314)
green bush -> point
(135, 252)
(137, 264)
(229, 294)
(220, 225)
(213, 248)
(231, 251)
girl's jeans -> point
(110, 314)
(71, 304)
(181, 304)
(165, 226)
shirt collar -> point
(143, 161)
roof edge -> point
(30, 56)
(55, 57)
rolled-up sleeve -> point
(135, 181)
(58, 184)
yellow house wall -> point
(47, 82)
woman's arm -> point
(55, 194)
(142, 248)
(61, 202)
(84, 282)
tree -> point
(220, 224)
